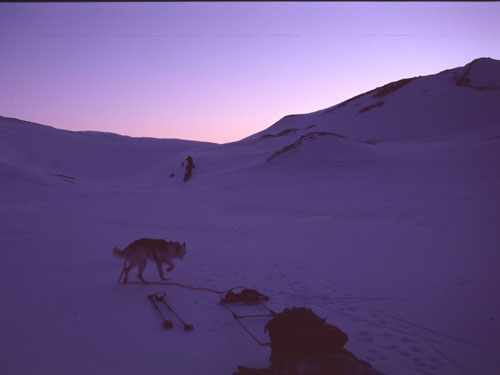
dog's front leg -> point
(171, 264)
(160, 271)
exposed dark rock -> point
(284, 132)
(296, 144)
(64, 178)
(346, 102)
(464, 80)
(391, 87)
(379, 93)
(490, 138)
(368, 107)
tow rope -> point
(183, 286)
(246, 296)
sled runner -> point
(247, 297)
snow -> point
(427, 108)
(394, 241)
(484, 72)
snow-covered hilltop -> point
(458, 102)
(41, 151)
(462, 103)
(380, 214)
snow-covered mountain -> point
(381, 214)
(92, 157)
(461, 103)
(458, 102)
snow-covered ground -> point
(385, 222)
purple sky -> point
(221, 71)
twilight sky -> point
(221, 71)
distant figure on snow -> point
(189, 167)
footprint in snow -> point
(404, 353)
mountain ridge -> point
(459, 103)
(461, 78)
(436, 96)
(41, 150)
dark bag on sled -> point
(302, 343)
(300, 333)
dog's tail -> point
(119, 253)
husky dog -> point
(159, 251)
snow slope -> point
(386, 228)
(88, 158)
(461, 102)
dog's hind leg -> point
(141, 266)
(126, 271)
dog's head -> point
(180, 250)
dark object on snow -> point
(303, 343)
(247, 296)
(242, 370)
(189, 167)
(167, 324)
(368, 107)
(172, 174)
(160, 297)
(300, 333)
